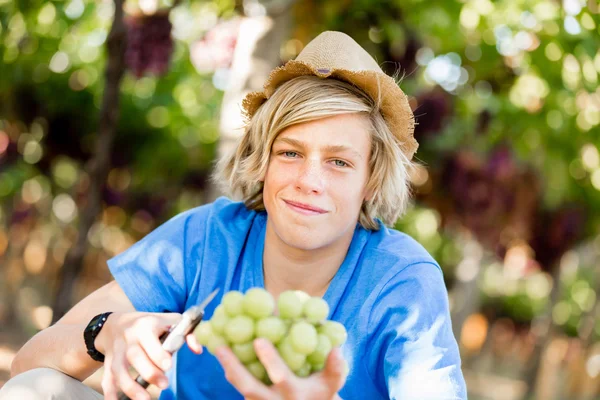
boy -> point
(322, 166)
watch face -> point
(93, 325)
(96, 319)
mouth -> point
(305, 209)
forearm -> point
(60, 347)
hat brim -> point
(394, 104)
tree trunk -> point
(256, 54)
(8, 288)
(99, 165)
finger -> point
(139, 360)
(147, 330)
(193, 344)
(123, 380)
(109, 385)
(150, 343)
(168, 319)
(278, 372)
(335, 369)
(156, 323)
(240, 377)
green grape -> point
(244, 352)
(258, 303)
(214, 342)
(257, 370)
(317, 367)
(289, 305)
(219, 320)
(233, 303)
(304, 371)
(267, 380)
(319, 356)
(203, 332)
(292, 358)
(302, 296)
(288, 324)
(303, 337)
(239, 329)
(316, 309)
(335, 332)
(271, 328)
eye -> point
(340, 163)
(290, 154)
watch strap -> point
(91, 332)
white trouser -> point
(46, 384)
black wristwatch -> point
(90, 333)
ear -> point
(369, 194)
(263, 176)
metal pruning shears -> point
(174, 338)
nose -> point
(311, 177)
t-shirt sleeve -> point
(154, 272)
(414, 353)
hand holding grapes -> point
(295, 354)
(286, 385)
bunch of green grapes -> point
(297, 325)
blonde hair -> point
(308, 98)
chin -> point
(304, 240)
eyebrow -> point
(337, 148)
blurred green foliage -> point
(481, 76)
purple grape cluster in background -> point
(501, 203)
(149, 44)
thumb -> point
(166, 320)
(193, 344)
(336, 369)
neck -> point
(289, 268)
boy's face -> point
(314, 186)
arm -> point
(127, 338)
(415, 355)
(61, 346)
(150, 277)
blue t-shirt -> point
(389, 293)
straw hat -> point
(337, 55)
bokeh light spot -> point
(553, 52)
(32, 153)
(74, 9)
(59, 62)
(42, 316)
(590, 157)
(64, 171)
(158, 117)
(64, 208)
(34, 257)
(595, 179)
(47, 14)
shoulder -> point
(229, 211)
(225, 221)
(190, 228)
(395, 271)
(221, 213)
(397, 253)
(416, 289)
(408, 276)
